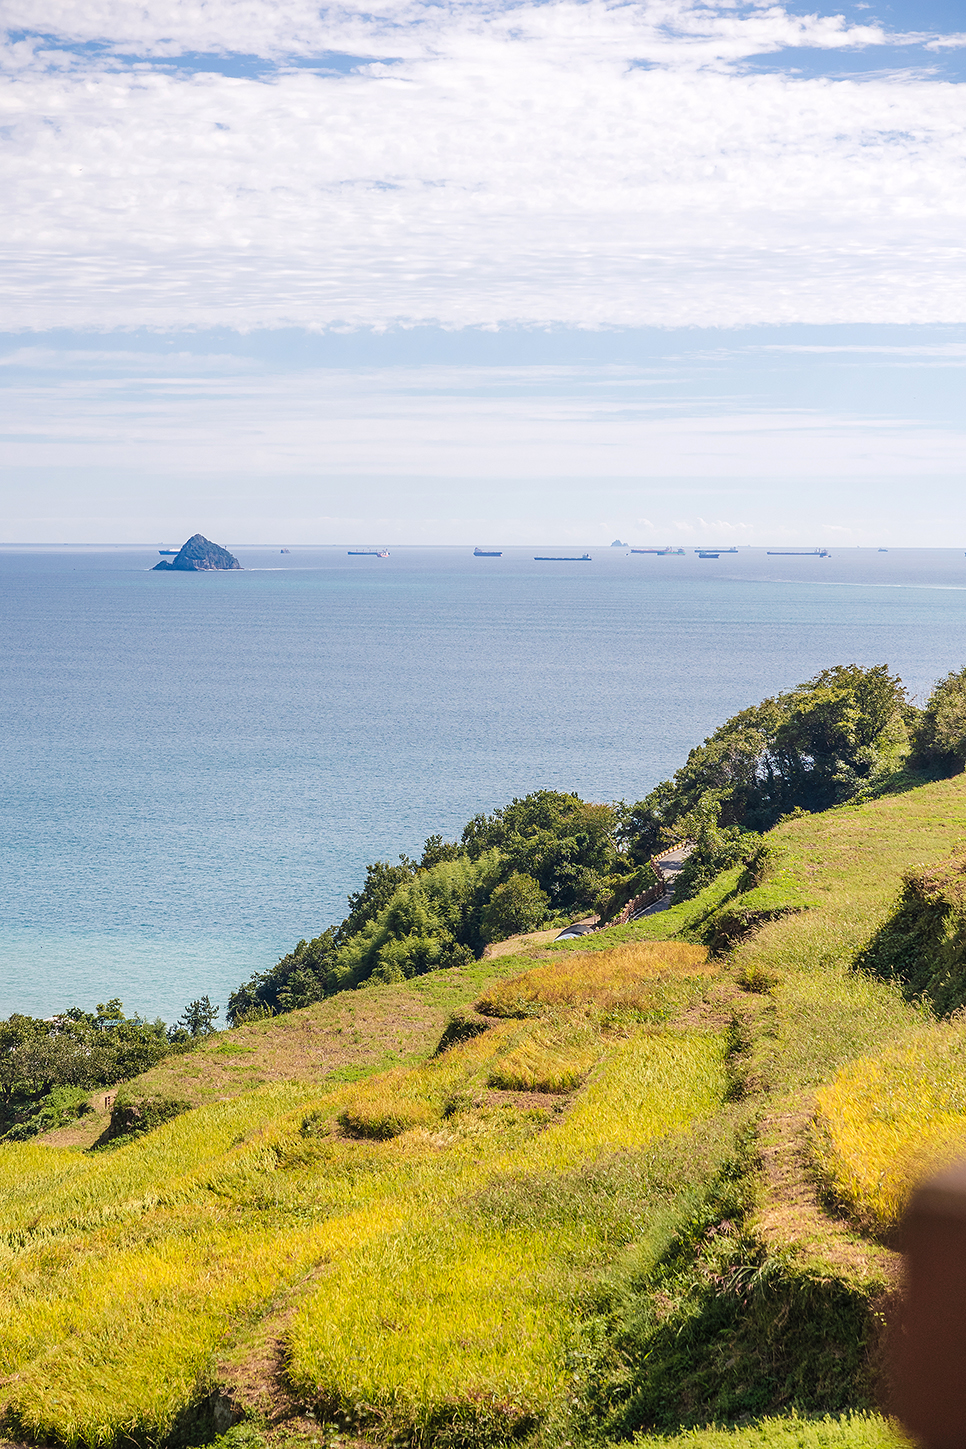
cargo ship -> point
(487, 553)
(562, 558)
(368, 552)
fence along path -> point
(668, 866)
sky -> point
(408, 272)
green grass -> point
(576, 1224)
(467, 1316)
(839, 1431)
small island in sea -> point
(199, 554)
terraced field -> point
(573, 1195)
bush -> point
(134, 1116)
(60, 1107)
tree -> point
(198, 1018)
(437, 849)
(305, 975)
(382, 881)
(940, 739)
(517, 905)
(823, 742)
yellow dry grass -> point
(127, 1272)
(622, 979)
(548, 1059)
(885, 1122)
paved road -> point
(670, 866)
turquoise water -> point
(197, 767)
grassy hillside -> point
(593, 1214)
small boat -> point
(883, 550)
(797, 552)
(487, 553)
(557, 558)
(368, 552)
(284, 550)
(166, 551)
(703, 553)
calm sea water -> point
(197, 767)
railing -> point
(654, 893)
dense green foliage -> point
(47, 1067)
(940, 737)
(549, 856)
(78, 1049)
(830, 739)
(539, 859)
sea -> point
(197, 767)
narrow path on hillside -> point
(668, 866)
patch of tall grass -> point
(792, 1431)
(886, 1121)
(459, 1322)
(548, 1059)
(408, 1097)
(622, 979)
(44, 1189)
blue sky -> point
(433, 272)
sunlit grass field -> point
(491, 1241)
(886, 1121)
(126, 1271)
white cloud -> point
(515, 164)
(444, 423)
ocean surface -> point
(196, 768)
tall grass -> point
(399, 1100)
(466, 1319)
(622, 979)
(548, 1059)
(834, 1431)
(886, 1121)
(45, 1189)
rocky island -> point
(198, 554)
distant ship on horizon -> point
(487, 553)
(368, 552)
(562, 558)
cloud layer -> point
(588, 164)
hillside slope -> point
(595, 1213)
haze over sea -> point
(197, 767)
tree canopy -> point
(548, 855)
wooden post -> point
(928, 1339)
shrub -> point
(59, 1108)
(134, 1116)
